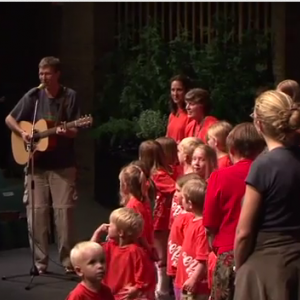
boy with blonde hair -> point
(216, 139)
(88, 261)
(185, 152)
(191, 275)
(130, 270)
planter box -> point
(13, 230)
(11, 198)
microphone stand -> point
(30, 165)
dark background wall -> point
(292, 41)
(28, 31)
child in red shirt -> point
(216, 139)
(169, 147)
(130, 271)
(197, 106)
(177, 208)
(88, 261)
(204, 161)
(150, 184)
(151, 153)
(134, 194)
(178, 227)
(191, 276)
(185, 152)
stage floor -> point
(46, 287)
(88, 216)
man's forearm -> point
(13, 125)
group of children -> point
(157, 236)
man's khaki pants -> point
(60, 184)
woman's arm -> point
(246, 226)
(210, 233)
(212, 214)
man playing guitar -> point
(54, 170)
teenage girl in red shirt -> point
(225, 191)
(197, 106)
(178, 118)
(151, 153)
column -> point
(77, 55)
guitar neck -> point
(52, 131)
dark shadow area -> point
(108, 164)
(28, 32)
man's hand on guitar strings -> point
(64, 131)
(25, 136)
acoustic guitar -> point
(42, 140)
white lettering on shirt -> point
(174, 250)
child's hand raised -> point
(100, 230)
(103, 228)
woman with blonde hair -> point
(267, 241)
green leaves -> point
(133, 102)
(152, 124)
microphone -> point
(37, 89)
(41, 86)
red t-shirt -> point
(144, 209)
(177, 171)
(212, 260)
(81, 292)
(194, 249)
(165, 189)
(224, 162)
(176, 209)
(175, 241)
(129, 265)
(176, 125)
(222, 206)
(200, 130)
